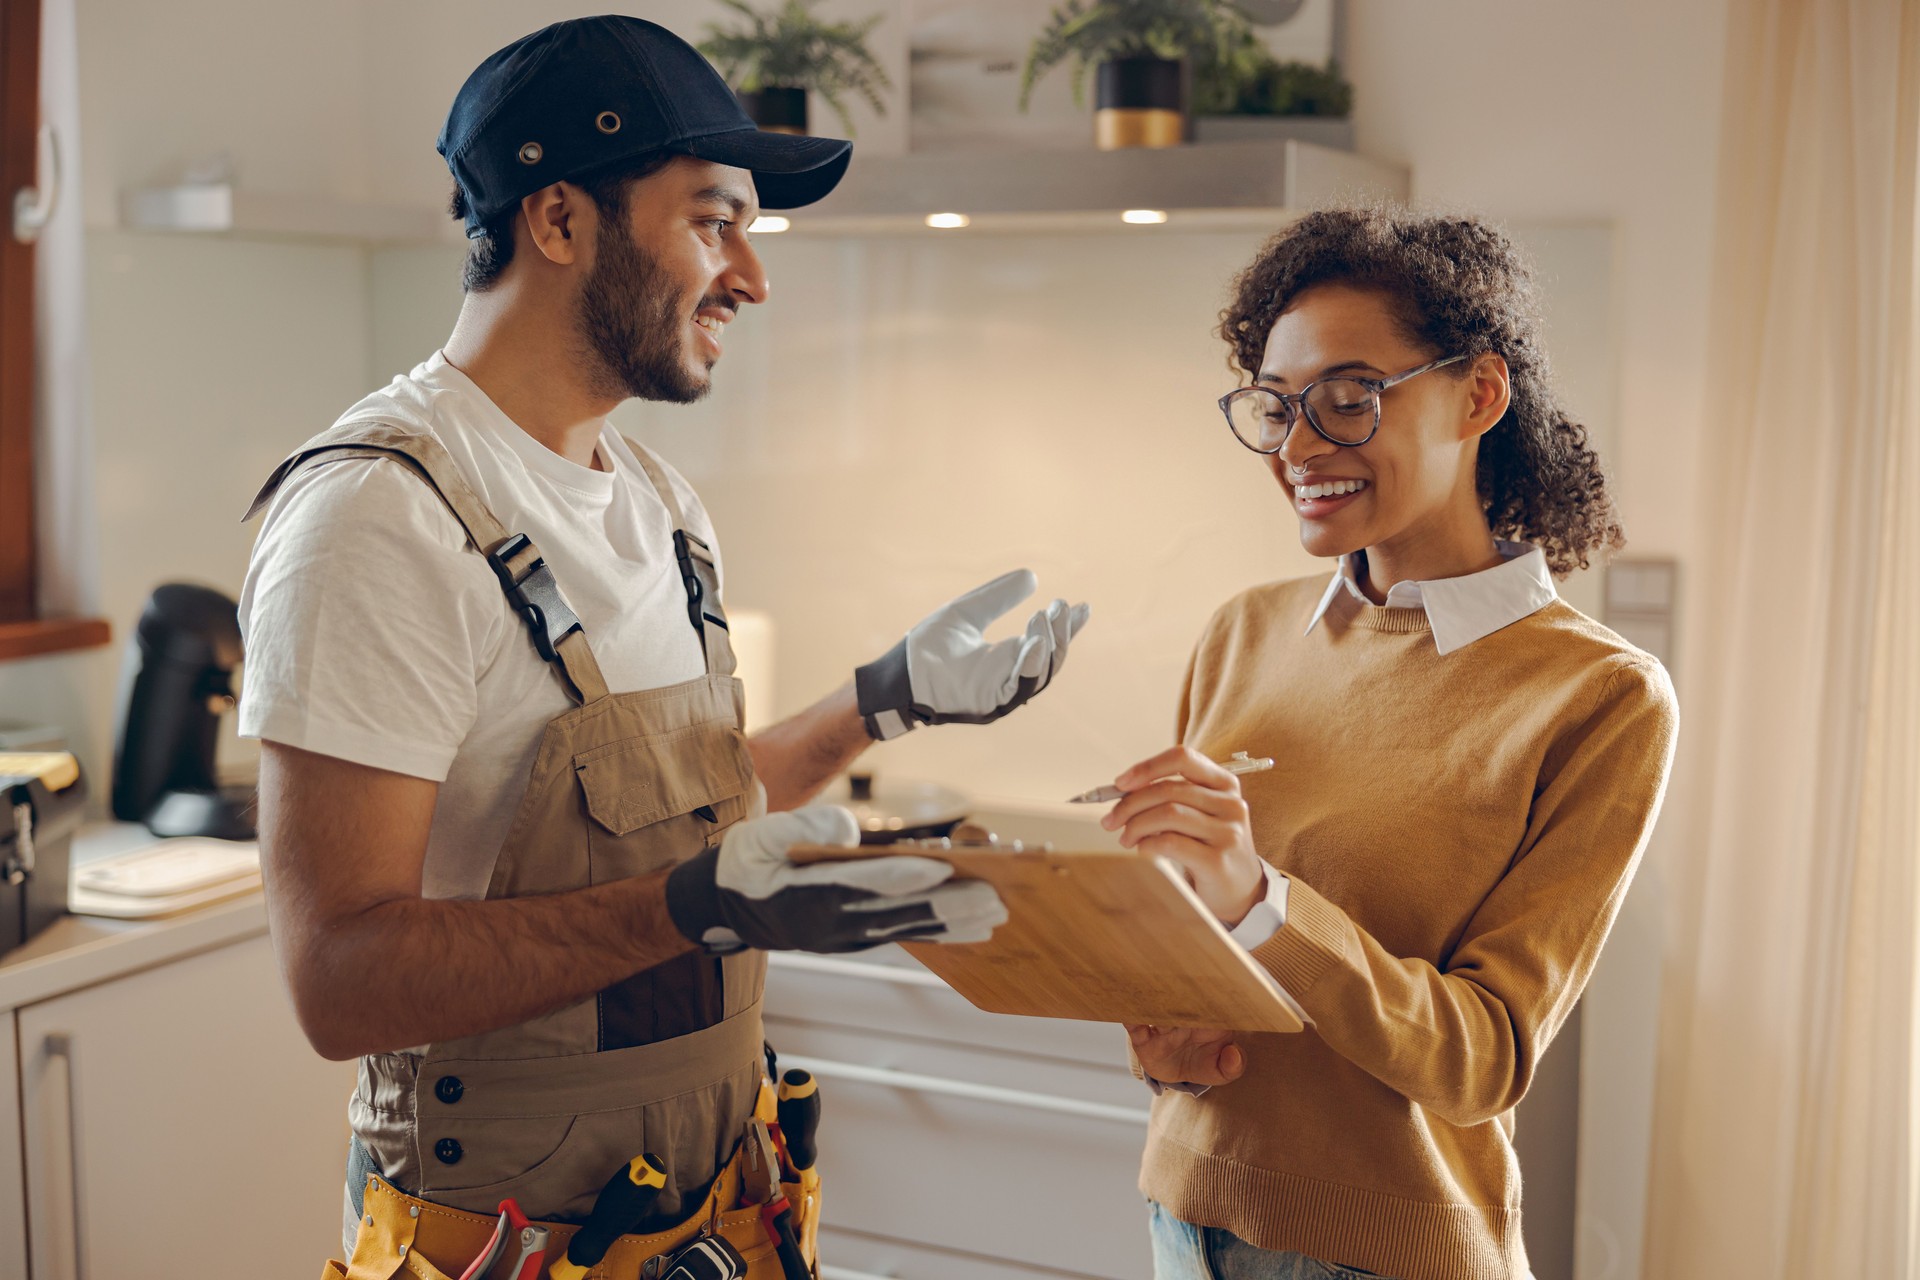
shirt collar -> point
(1461, 610)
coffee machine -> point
(187, 644)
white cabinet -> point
(182, 1105)
(13, 1187)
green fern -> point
(790, 48)
(1094, 31)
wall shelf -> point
(222, 208)
(1226, 182)
(1208, 185)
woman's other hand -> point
(1187, 1055)
(1184, 806)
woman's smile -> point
(1316, 497)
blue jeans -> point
(1182, 1251)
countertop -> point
(83, 951)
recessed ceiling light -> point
(1144, 217)
(768, 224)
(948, 221)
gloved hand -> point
(745, 893)
(945, 671)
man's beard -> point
(635, 338)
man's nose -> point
(746, 276)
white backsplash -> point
(910, 415)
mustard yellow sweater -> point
(1458, 832)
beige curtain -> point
(1785, 1132)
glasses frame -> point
(1301, 409)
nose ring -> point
(1299, 471)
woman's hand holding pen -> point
(1184, 806)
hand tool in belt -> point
(513, 1225)
(800, 1117)
(620, 1206)
(760, 1173)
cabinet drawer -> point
(885, 990)
(1017, 1159)
(854, 1255)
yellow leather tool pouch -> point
(404, 1236)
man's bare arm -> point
(374, 967)
(799, 756)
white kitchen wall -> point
(910, 415)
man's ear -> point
(1488, 393)
(555, 217)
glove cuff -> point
(693, 904)
(884, 690)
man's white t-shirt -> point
(374, 632)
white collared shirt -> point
(1461, 611)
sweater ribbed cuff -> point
(1312, 940)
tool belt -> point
(404, 1236)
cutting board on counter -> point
(1102, 937)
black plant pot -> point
(777, 109)
(1140, 102)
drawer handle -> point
(806, 963)
(888, 1077)
(60, 1045)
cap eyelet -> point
(607, 122)
(531, 153)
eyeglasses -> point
(1344, 410)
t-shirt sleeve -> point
(367, 620)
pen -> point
(1238, 762)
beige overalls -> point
(668, 1061)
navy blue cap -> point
(589, 93)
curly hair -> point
(1455, 286)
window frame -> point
(23, 632)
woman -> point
(1467, 770)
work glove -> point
(745, 893)
(946, 672)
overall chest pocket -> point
(658, 799)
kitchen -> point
(917, 409)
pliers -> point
(533, 1246)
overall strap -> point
(697, 571)
(516, 562)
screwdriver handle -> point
(800, 1117)
(618, 1207)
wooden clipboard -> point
(1103, 937)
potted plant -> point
(1138, 51)
(1243, 91)
(779, 57)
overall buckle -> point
(698, 573)
(535, 596)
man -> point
(519, 856)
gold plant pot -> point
(1116, 128)
(1139, 102)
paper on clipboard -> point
(1097, 936)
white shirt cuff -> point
(1268, 916)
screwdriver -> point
(800, 1117)
(616, 1210)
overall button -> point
(448, 1089)
(448, 1150)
